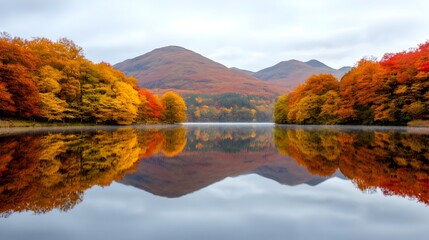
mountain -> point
(242, 71)
(289, 74)
(184, 71)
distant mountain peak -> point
(172, 48)
(291, 61)
(291, 73)
(316, 63)
(345, 68)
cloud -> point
(246, 34)
(244, 207)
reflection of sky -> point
(245, 207)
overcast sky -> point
(249, 34)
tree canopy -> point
(52, 81)
(174, 108)
(392, 91)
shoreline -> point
(25, 125)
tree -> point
(365, 96)
(18, 91)
(150, 109)
(310, 102)
(308, 109)
(281, 109)
(7, 104)
(53, 108)
(330, 107)
(174, 108)
(125, 103)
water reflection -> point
(397, 162)
(214, 153)
(45, 171)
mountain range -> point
(184, 71)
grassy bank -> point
(418, 123)
(5, 123)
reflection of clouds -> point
(230, 188)
(248, 207)
(99, 203)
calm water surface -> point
(214, 181)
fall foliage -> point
(229, 107)
(392, 91)
(46, 172)
(52, 81)
(394, 162)
(174, 108)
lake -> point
(214, 181)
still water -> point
(214, 181)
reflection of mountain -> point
(397, 163)
(191, 171)
(214, 154)
(52, 170)
(174, 177)
(287, 172)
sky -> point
(248, 34)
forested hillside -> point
(232, 107)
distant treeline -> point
(229, 107)
(392, 91)
(52, 81)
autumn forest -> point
(393, 91)
(52, 81)
(46, 81)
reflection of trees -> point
(41, 173)
(229, 139)
(175, 141)
(170, 141)
(397, 163)
(319, 153)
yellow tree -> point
(174, 108)
(308, 109)
(281, 109)
(125, 103)
(330, 107)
